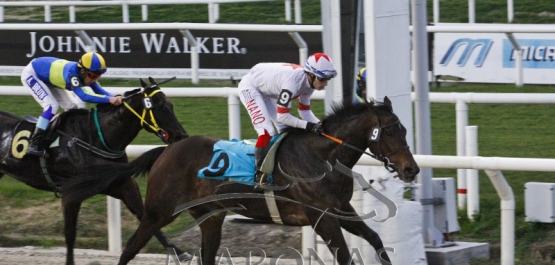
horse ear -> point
(152, 82)
(387, 102)
(143, 84)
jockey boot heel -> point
(35, 146)
(260, 178)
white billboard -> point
(490, 57)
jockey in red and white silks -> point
(268, 90)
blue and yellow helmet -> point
(361, 76)
(93, 62)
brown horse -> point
(89, 138)
(311, 193)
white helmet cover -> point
(321, 65)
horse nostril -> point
(412, 171)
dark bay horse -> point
(315, 193)
(89, 138)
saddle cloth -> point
(233, 161)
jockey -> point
(360, 94)
(267, 91)
(56, 82)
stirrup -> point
(261, 181)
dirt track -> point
(56, 256)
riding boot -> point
(259, 177)
(35, 146)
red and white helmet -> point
(321, 65)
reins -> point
(341, 142)
(147, 109)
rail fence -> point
(491, 165)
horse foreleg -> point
(327, 227)
(211, 230)
(129, 193)
(71, 212)
(140, 238)
(359, 228)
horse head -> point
(387, 141)
(156, 111)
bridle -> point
(147, 109)
(374, 137)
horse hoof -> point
(185, 257)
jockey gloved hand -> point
(315, 127)
(117, 100)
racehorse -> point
(311, 192)
(85, 138)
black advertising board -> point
(129, 53)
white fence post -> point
(125, 12)
(72, 14)
(114, 224)
(507, 216)
(234, 116)
(472, 180)
(288, 10)
(47, 16)
(461, 121)
(298, 13)
(144, 12)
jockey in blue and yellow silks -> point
(360, 94)
(56, 83)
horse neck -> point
(354, 133)
(119, 127)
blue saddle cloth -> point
(233, 160)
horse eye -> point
(388, 133)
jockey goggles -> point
(93, 75)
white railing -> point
(213, 7)
(492, 165)
(472, 11)
(461, 101)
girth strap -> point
(272, 206)
(47, 175)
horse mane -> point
(107, 107)
(341, 112)
(345, 111)
(127, 93)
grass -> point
(495, 11)
(507, 130)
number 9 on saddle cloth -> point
(234, 161)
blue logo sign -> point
(536, 53)
(471, 45)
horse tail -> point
(93, 180)
(142, 164)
